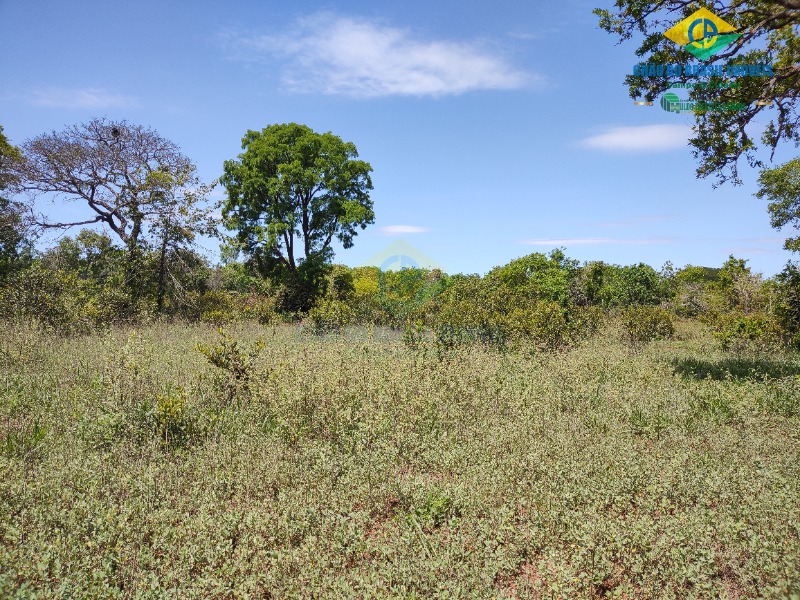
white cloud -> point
(636, 221)
(355, 57)
(644, 138)
(587, 241)
(400, 229)
(80, 98)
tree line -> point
(290, 194)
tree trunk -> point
(162, 272)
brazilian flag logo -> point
(703, 34)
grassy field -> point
(354, 466)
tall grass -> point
(352, 465)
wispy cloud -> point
(359, 58)
(759, 245)
(80, 98)
(635, 221)
(595, 240)
(644, 138)
(401, 229)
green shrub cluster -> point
(330, 316)
(643, 324)
(237, 363)
(543, 302)
(756, 332)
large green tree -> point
(781, 186)
(15, 244)
(290, 194)
(769, 35)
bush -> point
(549, 326)
(65, 302)
(584, 321)
(172, 421)
(544, 325)
(414, 335)
(213, 306)
(238, 363)
(788, 308)
(261, 308)
(758, 332)
(330, 316)
(643, 324)
(448, 337)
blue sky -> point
(494, 129)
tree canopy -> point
(781, 186)
(128, 176)
(769, 35)
(290, 194)
(131, 180)
(15, 245)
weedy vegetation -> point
(178, 460)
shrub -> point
(262, 308)
(549, 326)
(213, 306)
(169, 419)
(788, 308)
(545, 325)
(447, 337)
(584, 321)
(434, 511)
(758, 332)
(414, 335)
(329, 316)
(64, 301)
(643, 324)
(239, 364)
(173, 423)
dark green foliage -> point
(612, 286)
(736, 368)
(15, 244)
(537, 276)
(414, 335)
(290, 194)
(781, 186)
(788, 308)
(628, 285)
